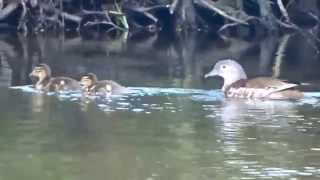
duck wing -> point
(262, 87)
(272, 85)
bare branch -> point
(173, 6)
(71, 17)
(227, 13)
(280, 55)
(145, 12)
(33, 3)
(90, 23)
(283, 11)
(116, 13)
(150, 16)
(152, 7)
(226, 26)
(8, 9)
(22, 20)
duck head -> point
(229, 70)
(88, 81)
(40, 73)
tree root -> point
(178, 15)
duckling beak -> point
(33, 78)
(211, 73)
(82, 85)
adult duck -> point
(43, 81)
(92, 86)
(237, 85)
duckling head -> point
(229, 70)
(40, 72)
(88, 80)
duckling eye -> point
(223, 67)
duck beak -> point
(211, 73)
(33, 78)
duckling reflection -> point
(42, 80)
(37, 103)
(91, 86)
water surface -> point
(171, 125)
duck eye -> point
(223, 67)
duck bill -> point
(211, 73)
(33, 78)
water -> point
(170, 125)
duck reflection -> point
(242, 120)
(237, 110)
(38, 102)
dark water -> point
(171, 125)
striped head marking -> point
(88, 80)
(41, 72)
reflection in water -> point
(179, 62)
(177, 131)
(195, 134)
(253, 129)
(37, 103)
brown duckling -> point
(42, 80)
(91, 86)
(237, 85)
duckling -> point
(42, 80)
(91, 86)
(237, 85)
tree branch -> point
(71, 17)
(227, 13)
(173, 6)
(8, 9)
(283, 11)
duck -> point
(92, 86)
(237, 85)
(43, 80)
